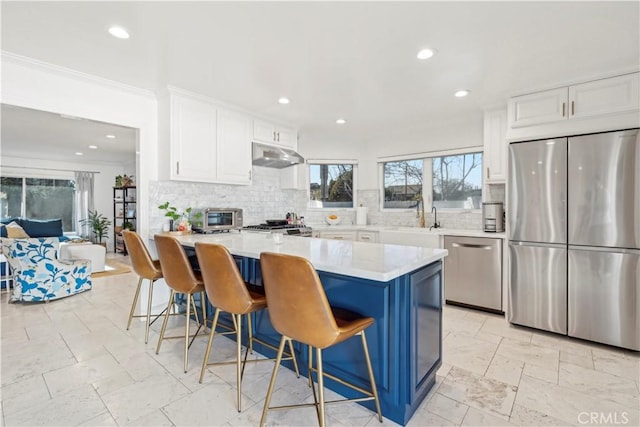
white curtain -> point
(84, 201)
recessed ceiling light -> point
(119, 32)
(461, 93)
(426, 53)
(93, 147)
(110, 136)
(78, 153)
(284, 100)
(341, 121)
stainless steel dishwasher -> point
(473, 272)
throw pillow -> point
(14, 231)
(42, 228)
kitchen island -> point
(399, 286)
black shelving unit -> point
(124, 214)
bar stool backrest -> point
(141, 260)
(176, 268)
(225, 286)
(298, 305)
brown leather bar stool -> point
(181, 278)
(299, 310)
(227, 291)
(146, 268)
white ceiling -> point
(355, 60)
(38, 134)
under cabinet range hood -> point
(275, 157)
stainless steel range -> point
(281, 226)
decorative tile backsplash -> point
(264, 199)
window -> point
(403, 183)
(38, 198)
(331, 185)
(455, 182)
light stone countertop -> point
(437, 231)
(374, 261)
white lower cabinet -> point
(367, 236)
(338, 235)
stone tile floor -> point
(71, 362)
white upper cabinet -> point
(234, 147)
(495, 146)
(602, 97)
(606, 96)
(272, 134)
(539, 107)
(192, 139)
(206, 143)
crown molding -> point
(10, 57)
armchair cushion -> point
(38, 273)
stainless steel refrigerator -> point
(574, 236)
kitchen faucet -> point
(436, 224)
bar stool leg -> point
(135, 301)
(204, 309)
(238, 360)
(250, 327)
(146, 334)
(374, 389)
(164, 322)
(208, 352)
(186, 330)
(320, 386)
(293, 358)
(274, 375)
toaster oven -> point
(218, 219)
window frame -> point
(24, 174)
(353, 163)
(427, 177)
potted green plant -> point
(179, 221)
(99, 225)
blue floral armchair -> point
(38, 274)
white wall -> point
(457, 133)
(104, 179)
(33, 84)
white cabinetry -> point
(367, 236)
(595, 98)
(606, 96)
(338, 235)
(234, 148)
(495, 146)
(273, 134)
(206, 143)
(192, 137)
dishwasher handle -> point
(470, 245)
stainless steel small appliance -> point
(218, 219)
(492, 213)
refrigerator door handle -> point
(605, 249)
